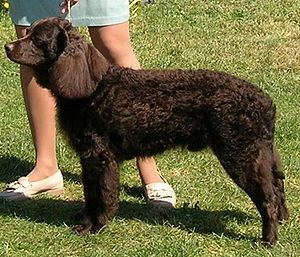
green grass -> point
(256, 40)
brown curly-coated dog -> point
(111, 114)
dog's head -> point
(62, 60)
(45, 40)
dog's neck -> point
(76, 73)
(42, 75)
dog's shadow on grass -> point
(44, 210)
(190, 219)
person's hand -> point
(64, 5)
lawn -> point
(256, 40)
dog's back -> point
(149, 111)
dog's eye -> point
(37, 43)
(36, 40)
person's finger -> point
(64, 5)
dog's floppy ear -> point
(97, 63)
(77, 71)
(55, 37)
(62, 41)
(57, 44)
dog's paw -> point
(98, 228)
(87, 223)
(86, 229)
(267, 244)
(81, 229)
(269, 241)
(87, 226)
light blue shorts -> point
(84, 13)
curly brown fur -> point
(111, 114)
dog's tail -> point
(283, 212)
(277, 164)
(269, 158)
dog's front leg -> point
(101, 187)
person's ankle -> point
(150, 180)
(41, 172)
(148, 171)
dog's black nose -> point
(9, 47)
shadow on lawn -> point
(11, 168)
(190, 218)
(59, 212)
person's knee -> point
(21, 31)
(114, 43)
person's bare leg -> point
(114, 43)
(40, 108)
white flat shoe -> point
(22, 188)
(160, 194)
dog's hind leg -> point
(251, 169)
(101, 188)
